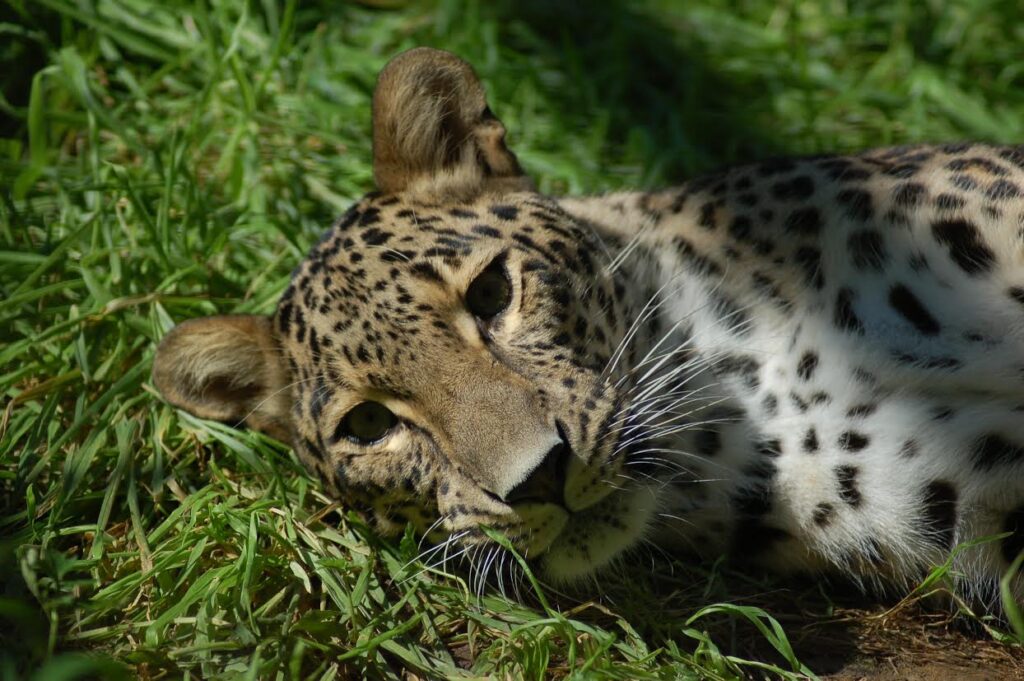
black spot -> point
(1014, 544)
(698, 260)
(976, 163)
(902, 171)
(965, 244)
(861, 410)
(730, 314)
(770, 405)
(992, 450)
(964, 182)
(823, 514)
(740, 227)
(820, 397)
(918, 262)
(763, 246)
(943, 413)
(1014, 155)
(764, 284)
(375, 237)
(707, 216)
(746, 367)
(909, 194)
(1001, 190)
(284, 317)
(1017, 293)
(505, 212)
(845, 318)
(321, 395)
(897, 218)
(910, 449)
(753, 501)
(805, 221)
(808, 363)
(809, 259)
(844, 170)
(370, 216)
(345, 221)
(438, 252)
(852, 441)
(798, 402)
(424, 270)
(857, 203)
(946, 201)
(903, 300)
(707, 442)
(397, 255)
(771, 448)
(867, 249)
(312, 448)
(846, 476)
(810, 441)
(939, 512)
(950, 363)
(484, 230)
(679, 201)
(800, 187)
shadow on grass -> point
(660, 99)
(658, 598)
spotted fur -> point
(816, 364)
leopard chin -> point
(594, 537)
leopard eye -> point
(490, 293)
(366, 422)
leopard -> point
(813, 365)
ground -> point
(166, 160)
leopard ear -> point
(433, 133)
(226, 368)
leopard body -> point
(814, 364)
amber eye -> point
(366, 422)
(490, 293)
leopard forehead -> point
(391, 273)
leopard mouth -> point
(578, 541)
(567, 545)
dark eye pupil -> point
(368, 421)
(489, 293)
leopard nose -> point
(546, 482)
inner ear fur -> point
(226, 368)
(433, 132)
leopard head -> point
(447, 354)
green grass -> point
(161, 160)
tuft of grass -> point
(165, 160)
